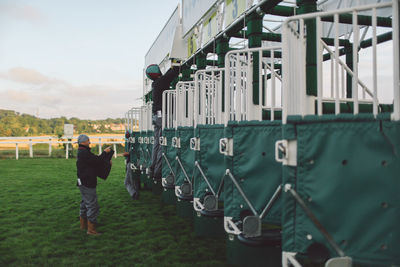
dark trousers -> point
(89, 207)
(156, 164)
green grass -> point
(39, 209)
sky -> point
(76, 58)
(85, 58)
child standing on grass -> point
(89, 166)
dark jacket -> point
(160, 85)
(89, 166)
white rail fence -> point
(52, 140)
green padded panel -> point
(149, 147)
(142, 149)
(254, 167)
(169, 151)
(209, 158)
(348, 173)
(134, 149)
(185, 154)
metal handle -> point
(195, 143)
(176, 142)
(163, 140)
(281, 146)
(226, 146)
(223, 146)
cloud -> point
(22, 12)
(31, 91)
(16, 96)
(24, 75)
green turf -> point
(39, 209)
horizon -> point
(60, 117)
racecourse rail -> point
(53, 140)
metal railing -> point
(146, 117)
(184, 103)
(296, 101)
(132, 119)
(208, 96)
(52, 140)
(169, 116)
(242, 100)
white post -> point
(99, 145)
(66, 151)
(30, 148)
(16, 151)
(50, 147)
(396, 61)
(115, 150)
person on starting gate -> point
(159, 85)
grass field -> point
(39, 209)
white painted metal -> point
(230, 227)
(169, 113)
(296, 102)
(30, 149)
(146, 117)
(208, 96)
(185, 103)
(134, 119)
(161, 47)
(184, 109)
(289, 259)
(374, 63)
(355, 60)
(16, 151)
(239, 104)
(193, 11)
(100, 145)
(396, 60)
(288, 149)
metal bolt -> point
(309, 237)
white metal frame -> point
(295, 100)
(208, 96)
(146, 117)
(185, 95)
(169, 115)
(133, 119)
(238, 84)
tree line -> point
(17, 124)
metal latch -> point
(226, 146)
(132, 140)
(286, 152)
(176, 142)
(140, 139)
(152, 140)
(195, 143)
(146, 140)
(163, 140)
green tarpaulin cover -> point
(209, 159)
(185, 155)
(348, 174)
(254, 167)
